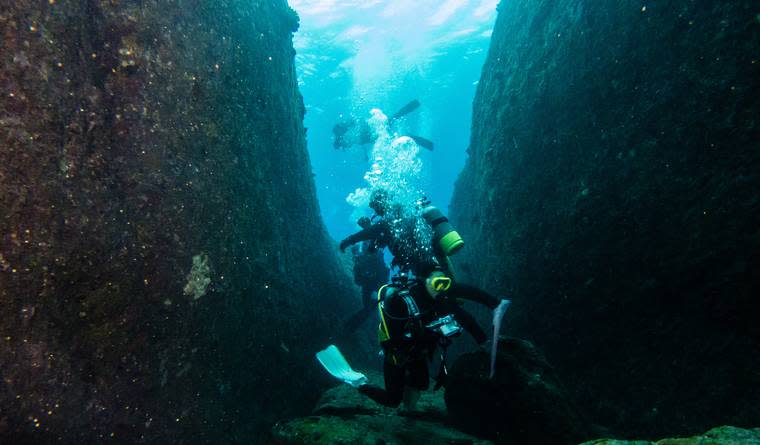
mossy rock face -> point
(611, 193)
(136, 136)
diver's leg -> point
(393, 393)
(419, 374)
(411, 396)
(418, 381)
(369, 297)
(356, 320)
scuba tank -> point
(445, 238)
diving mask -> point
(436, 283)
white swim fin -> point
(334, 362)
(498, 316)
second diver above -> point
(370, 273)
(399, 232)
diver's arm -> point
(472, 293)
(370, 233)
(468, 323)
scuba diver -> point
(417, 315)
(416, 318)
(370, 272)
(399, 233)
(350, 132)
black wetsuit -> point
(410, 345)
(370, 273)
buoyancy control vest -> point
(400, 314)
(405, 319)
(407, 330)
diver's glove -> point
(343, 244)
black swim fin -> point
(406, 109)
(422, 142)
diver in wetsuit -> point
(417, 317)
(370, 272)
(351, 131)
(398, 232)
(393, 231)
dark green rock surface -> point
(135, 136)
(612, 192)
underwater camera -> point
(447, 326)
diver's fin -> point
(406, 109)
(498, 316)
(422, 142)
(334, 362)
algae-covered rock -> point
(344, 416)
(724, 435)
(611, 191)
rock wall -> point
(611, 190)
(164, 272)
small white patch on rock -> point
(199, 278)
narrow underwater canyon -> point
(165, 274)
(611, 191)
(159, 231)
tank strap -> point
(411, 306)
(443, 372)
(383, 333)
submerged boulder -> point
(524, 403)
(343, 416)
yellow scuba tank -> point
(444, 236)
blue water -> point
(355, 55)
